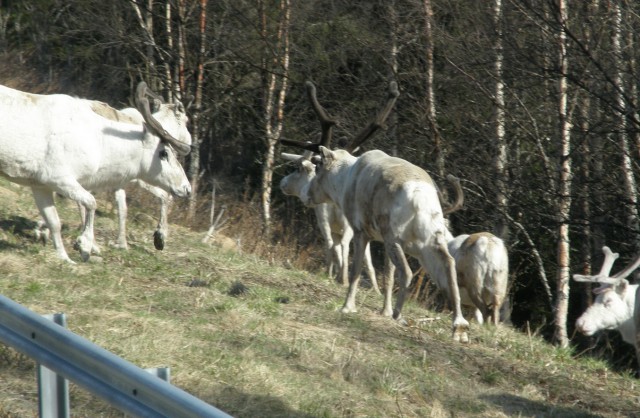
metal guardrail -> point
(119, 382)
(53, 389)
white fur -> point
(612, 309)
(482, 266)
(58, 143)
(390, 200)
(334, 227)
(617, 304)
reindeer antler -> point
(379, 120)
(327, 124)
(629, 269)
(296, 157)
(142, 104)
(604, 276)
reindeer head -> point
(611, 307)
(297, 182)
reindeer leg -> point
(359, 244)
(389, 272)
(85, 242)
(460, 325)
(121, 200)
(44, 201)
(395, 253)
(370, 270)
(162, 230)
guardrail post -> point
(163, 373)
(101, 372)
(53, 389)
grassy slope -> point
(280, 349)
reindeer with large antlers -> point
(334, 227)
(615, 303)
(385, 199)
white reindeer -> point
(58, 143)
(385, 199)
(334, 227)
(615, 303)
(482, 266)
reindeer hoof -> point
(119, 245)
(460, 335)
(387, 313)
(347, 309)
(396, 314)
(402, 321)
(158, 240)
(84, 246)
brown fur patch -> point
(473, 238)
(110, 113)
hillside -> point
(257, 339)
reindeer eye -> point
(164, 155)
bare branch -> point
(327, 123)
(379, 120)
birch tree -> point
(430, 93)
(623, 137)
(197, 124)
(500, 157)
(275, 83)
(564, 183)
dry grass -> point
(255, 338)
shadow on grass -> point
(240, 404)
(18, 226)
(515, 405)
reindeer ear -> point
(327, 154)
(621, 287)
(308, 166)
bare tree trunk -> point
(274, 103)
(430, 93)
(146, 24)
(197, 125)
(585, 168)
(169, 34)
(627, 166)
(500, 158)
(586, 173)
(182, 48)
(393, 58)
(564, 186)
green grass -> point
(257, 339)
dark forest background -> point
(242, 65)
